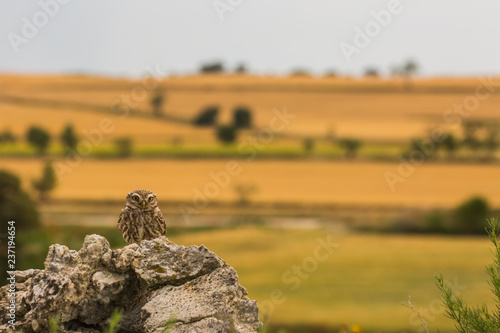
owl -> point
(141, 218)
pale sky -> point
(124, 37)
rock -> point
(157, 285)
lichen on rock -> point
(154, 283)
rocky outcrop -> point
(155, 283)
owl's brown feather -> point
(141, 218)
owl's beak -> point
(143, 204)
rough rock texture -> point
(156, 283)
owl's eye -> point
(135, 197)
(150, 199)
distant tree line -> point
(225, 133)
(478, 138)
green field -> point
(363, 281)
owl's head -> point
(142, 199)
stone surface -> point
(155, 283)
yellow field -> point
(366, 109)
(363, 281)
(431, 185)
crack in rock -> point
(151, 282)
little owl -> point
(141, 218)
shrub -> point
(39, 138)
(308, 145)
(213, 67)
(351, 146)
(124, 147)
(156, 102)
(435, 221)
(15, 204)
(46, 183)
(242, 117)
(69, 139)
(226, 134)
(371, 72)
(450, 144)
(241, 68)
(300, 72)
(207, 116)
(478, 319)
(470, 216)
(244, 191)
(7, 137)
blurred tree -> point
(331, 73)
(7, 137)
(242, 117)
(207, 116)
(124, 147)
(69, 139)
(470, 217)
(215, 67)
(435, 222)
(226, 134)
(244, 191)
(409, 69)
(470, 139)
(450, 144)
(351, 146)
(240, 69)
(371, 72)
(300, 72)
(308, 145)
(156, 102)
(39, 138)
(46, 183)
(416, 145)
(15, 205)
(491, 141)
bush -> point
(308, 145)
(478, 319)
(241, 69)
(300, 72)
(242, 117)
(69, 139)
(226, 134)
(470, 216)
(351, 147)
(207, 116)
(124, 147)
(46, 183)
(435, 221)
(244, 191)
(450, 144)
(15, 205)
(213, 67)
(156, 102)
(371, 72)
(39, 138)
(7, 137)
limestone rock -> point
(155, 283)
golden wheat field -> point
(431, 185)
(366, 109)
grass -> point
(363, 281)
